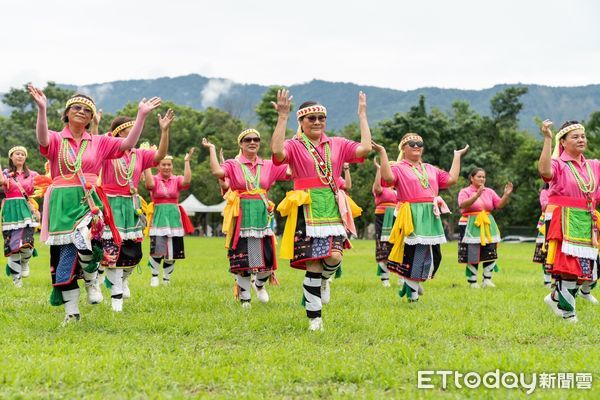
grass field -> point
(193, 340)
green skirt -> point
(127, 221)
(166, 221)
(473, 232)
(255, 220)
(66, 211)
(428, 227)
(322, 216)
(16, 214)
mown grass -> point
(193, 340)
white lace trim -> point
(579, 251)
(19, 225)
(384, 238)
(425, 240)
(56, 240)
(326, 231)
(476, 240)
(255, 233)
(167, 231)
(540, 239)
(124, 236)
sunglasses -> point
(79, 107)
(415, 143)
(251, 139)
(313, 118)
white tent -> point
(192, 205)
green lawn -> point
(193, 340)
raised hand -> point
(362, 103)
(378, 148)
(208, 144)
(145, 107)
(375, 163)
(188, 156)
(221, 156)
(462, 151)
(546, 128)
(38, 96)
(508, 189)
(480, 190)
(97, 118)
(284, 102)
(165, 122)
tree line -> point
(506, 152)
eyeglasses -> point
(251, 139)
(415, 143)
(79, 107)
(313, 118)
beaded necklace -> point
(588, 187)
(63, 153)
(421, 175)
(322, 166)
(252, 181)
(124, 173)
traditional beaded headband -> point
(246, 133)
(412, 136)
(316, 109)
(168, 158)
(122, 127)
(563, 132)
(84, 101)
(17, 148)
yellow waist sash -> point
(289, 208)
(403, 227)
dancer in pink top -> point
(248, 216)
(75, 209)
(169, 222)
(318, 212)
(418, 231)
(540, 252)
(19, 214)
(479, 234)
(572, 234)
(385, 207)
(120, 180)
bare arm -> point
(187, 170)
(455, 168)
(545, 162)
(365, 132)
(149, 179)
(215, 167)
(506, 195)
(377, 188)
(471, 200)
(145, 107)
(347, 176)
(2, 179)
(385, 170)
(41, 128)
(284, 101)
(163, 145)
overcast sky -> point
(399, 44)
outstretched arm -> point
(545, 162)
(506, 195)
(41, 128)
(284, 101)
(145, 107)
(215, 168)
(187, 170)
(385, 170)
(455, 168)
(365, 131)
(163, 145)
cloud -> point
(97, 92)
(214, 89)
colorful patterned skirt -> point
(421, 256)
(167, 232)
(252, 248)
(130, 227)
(470, 247)
(540, 253)
(383, 227)
(17, 225)
(572, 252)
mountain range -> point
(199, 92)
